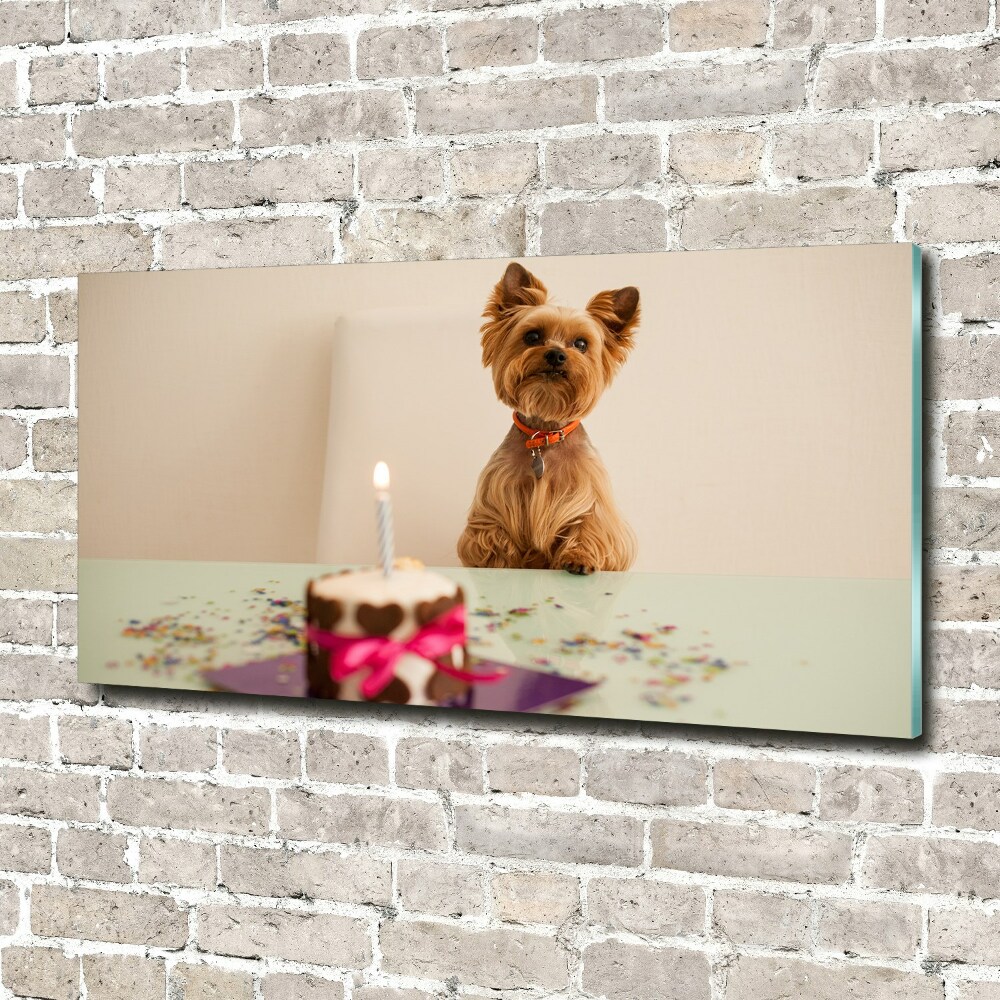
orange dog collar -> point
(542, 439)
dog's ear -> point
(517, 287)
(618, 311)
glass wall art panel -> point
(677, 487)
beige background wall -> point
(761, 426)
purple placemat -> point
(521, 690)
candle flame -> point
(381, 477)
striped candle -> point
(383, 517)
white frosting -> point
(404, 587)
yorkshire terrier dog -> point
(544, 500)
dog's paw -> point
(578, 569)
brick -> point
(962, 367)
(66, 623)
(178, 748)
(347, 758)
(921, 18)
(362, 819)
(907, 76)
(970, 286)
(967, 801)
(627, 225)
(603, 161)
(871, 795)
(933, 142)
(502, 41)
(963, 935)
(546, 835)
(41, 505)
(27, 676)
(718, 24)
(25, 849)
(661, 778)
(784, 786)
(49, 795)
(964, 727)
(256, 932)
(36, 564)
(362, 114)
(123, 977)
(706, 91)
(822, 152)
(9, 97)
(100, 740)
(142, 74)
(296, 60)
(621, 970)
(390, 993)
(976, 990)
(317, 177)
(142, 187)
(266, 12)
(764, 218)
(263, 753)
(535, 769)
(233, 66)
(168, 861)
(644, 906)
(447, 890)
(932, 864)
(33, 22)
(10, 908)
(762, 919)
(44, 973)
(182, 805)
(752, 851)
(8, 196)
(868, 928)
(300, 986)
(62, 316)
(972, 437)
(595, 34)
(247, 243)
(807, 22)
(118, 917)
(13, 443)
(963, 593)
(347, 877)
(439, 764)
(960, 658)
(464, 231)
(66, 250)
(413, 50)
(60, 193)
(535, 897)
(93, 854)
(206, 982)
(63, 79)
(964, 519)
(506, 104)
(25, 621)
(165, 129)
(516, 959)
(25, 737)
(766, 978)
(953, 213)
(93, 19)
(31, 138)
(401, 174)
(22, 318)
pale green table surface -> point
(817, 655)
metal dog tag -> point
(537, 464)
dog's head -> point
(551, 362)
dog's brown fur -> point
(567, 519)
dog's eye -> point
(533, 337)
(580, 344)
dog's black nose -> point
(555, 358)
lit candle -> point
(383, 515)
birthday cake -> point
(388, 638)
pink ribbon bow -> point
(378, 654)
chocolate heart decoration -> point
(379, 621)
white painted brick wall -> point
(171, 845)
